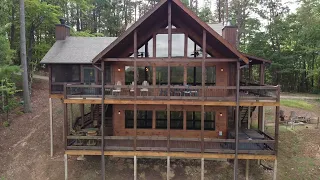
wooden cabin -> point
(169, 86)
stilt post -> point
(51, 127)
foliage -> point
(296, 104)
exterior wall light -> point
(119, 69)
(221, 114)
(221, 69)
(119, 112)
(147, 69)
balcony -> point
(185, 93)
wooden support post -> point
(135, 52)
(235, 173)
(154, 48)
(168, 167)
(135, 167)
(185, 45)
(247, 169)
(204, 55)
(185, 75)
(154, 118)
(275, 169)
(103, 164)
(169, 45)
(51, 127)
(250, 73)
(276, 134)
(71, 118)
(135, 126)
(65, 166)
(82, 114)
(65, 125)
(202, 168)
(184, 119)
(249, 117)
(202, 129)
(168, 127)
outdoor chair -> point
(132, 88)
(117, 89)
(145, 89)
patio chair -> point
(187, 91)
(145, 89)
(117, 90)
(132, 88)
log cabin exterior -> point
(170, 86)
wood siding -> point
(120, 130)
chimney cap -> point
(62, 21)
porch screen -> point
(143, 74)
(65, 73)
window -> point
(143, 74)
(176, 120)
(210, 121)
(66, 73)
(161, 75)
(193, 120)
(89, 75)
(144, 119)
(176, 75)
(194, 76)
(129, 118)
(161, 119)
(211, 76)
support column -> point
(275, 169)
(65, 166)
(135, 167)
(51, 127)
(82, 114)
(202, 168)
(103, 164)
(249, 127)
(235, 173)
(168, 167)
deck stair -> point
(244, 113)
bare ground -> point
(24, 153)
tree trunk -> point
(26, 94)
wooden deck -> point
(160, 144)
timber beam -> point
(178, 155)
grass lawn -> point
(296, 103)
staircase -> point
(97, 111)
(244, 113)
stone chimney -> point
(230, 33)
(62, 30)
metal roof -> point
(76, 50)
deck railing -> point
(225, 93)
(152, 143)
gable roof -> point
(76, 50)
(154, 18)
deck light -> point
(220, 114)
(221, 69)
(119, 112)
(119, 69)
